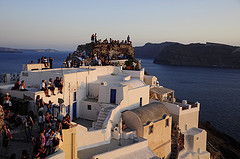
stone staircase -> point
(102, 117)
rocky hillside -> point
(208, 55)
(150, 50)
(220, 145)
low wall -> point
(126, 150)
(87, 139)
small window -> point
(166, 122)
(197, 138)
(89, 107)
(150, 130)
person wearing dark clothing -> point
(57, 82)
(25, 155)
(13, 156)
(95, 37)
(59, 128)
(16, 119)
(51, 61)
(6, 137)
(16, 85)
(92, 38)
(28, 125)
(55, 144)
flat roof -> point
(161, 90)
(113, 145)
(84, 122)
(62, 70)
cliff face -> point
(149, 50)
(220, 145)
(108, 48)
(209, 55)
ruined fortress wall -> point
(107, 49)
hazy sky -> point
(63, 24)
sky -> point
(64, 24)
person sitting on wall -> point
(44, 88)
(65, 123)
(16, 85)
(51, 86)
(23, 86)
(57, 82)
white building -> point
(96, 97)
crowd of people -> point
(98, 59)
(45, 61)
(46, 141)
(44, 86)
(111, 41)
(51, 85)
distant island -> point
(12, 50)
(195, 54)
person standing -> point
(50, 62)
(61, 85)
(28, 125)
(92, 38)
(6, 136)
(128, 39)
(95, 36)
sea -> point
(217, 89)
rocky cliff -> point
(150, 50)
(208, 55)
(219, 144)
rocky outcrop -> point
(219, 144)
(107, 48)
(208, 55)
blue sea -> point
(217, 89)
